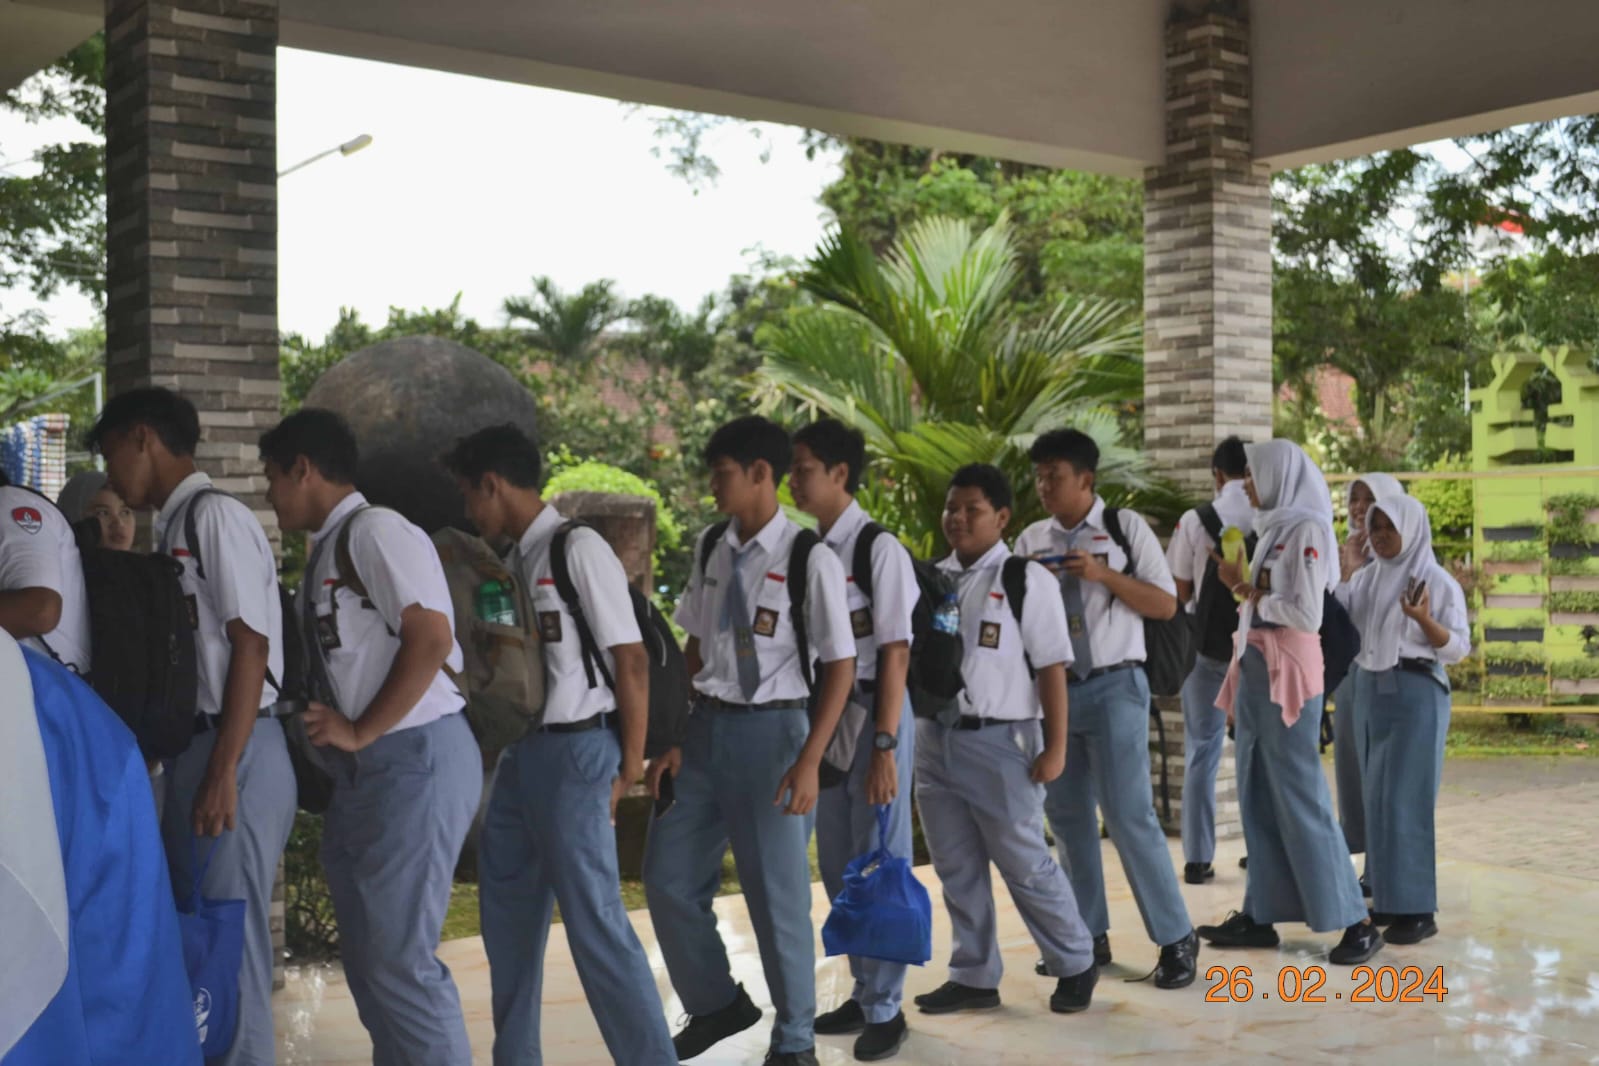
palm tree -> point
(927, 353)
(567, 327)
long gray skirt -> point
(1404, 720)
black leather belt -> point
(1103, 670)
(971, 722)
(593, 721)
(1418, 666)
(723, 706)
(205, 723)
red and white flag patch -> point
(28, 520)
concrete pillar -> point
(1207, 255)
(1207, 294)
(191, 218)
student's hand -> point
(622, 782)
(1086, 567)
(671, 762)
(328, 728)
(801, 786)
(217, 804)
(1421, 610)
(1352, 555)
(882, 780)
(1050, 764)
(1229, 573)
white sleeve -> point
(28, 560)
(1149, 563)
(601, 586)
(690, 613)
(1180, 554)
(240, 574)
(399, 567)
(1449, 609)
(1044, 632)
(1298, 584)
(827, 608)
(1028, 543)
(894, 590)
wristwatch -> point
(885, 742)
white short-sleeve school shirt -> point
(38, 551)
(763, 566)
(998, 684)
(1188, 554)
(400, 568)
(886, 617)
(240, 582)
(607, 605)
(1115, 630)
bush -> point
(1575, 669)
(309, 929)
(1450, 504)
(569, 475)
(1574, 602)
(1515, 688)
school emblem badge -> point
(28, 520)
(988, 635)
(765, 621)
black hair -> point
(1230, 459)
(991, 479)
(745, 440)
(1068, 445)
(171, 417)
(504, 450)
(832, 442)
(324, 438)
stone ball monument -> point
(408, 400)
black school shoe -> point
(1075, 993)
(1197, 873)
(1240, 931)
(1179, 963)
(1101, 956)
(791, 1058)
(841, 1021)
(882, 1040)
(953, 996)
(1381, 917)
(705, 1031)
(1410, 929)
(1361, 941)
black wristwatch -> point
(885, 742)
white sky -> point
(474, 186)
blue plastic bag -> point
(213, 953)
(883, 911)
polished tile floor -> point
(1519, 952)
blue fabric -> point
(883, 912)
(1349, 761)
(1204, 738)
(1404, 722)
(125, 1000)
(213, 951)
(846, 826)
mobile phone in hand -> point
(665, 795)
(1415, 591)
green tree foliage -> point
(567, 326)
(924, 349)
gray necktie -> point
(1071, 592)
(736, 617)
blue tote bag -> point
(213, 952)
(883, 911)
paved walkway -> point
(1530, 813)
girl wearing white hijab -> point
(1299, 867)
(1412, 619)
(1355, 553)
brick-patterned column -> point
(1207, 256)
(191, 218)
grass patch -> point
(1490, 734)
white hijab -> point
(1380, 485)
(1292, 493)
(1378, 615)
(33, 887)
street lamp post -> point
(349, 147)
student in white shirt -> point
(1412, 618)
(42, 599)
(549, 832)
(1204, 726)
(89, 495)
(408, 774)
(235, 782)
(1107, 596)
(747, 772)
(980, 779)
(828, 460)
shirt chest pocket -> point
(555, 624)
(345, 621)
(860, 613)
(769, 614)
(996, 634)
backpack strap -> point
(344, 572)
(1013, 579)
(1113, 526)
(799, 569)
(191, 536)
(713, 536)
(593, 661)
(861, 562)
(1210, 518)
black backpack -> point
(1340, 642)
(934, 679)
(1215, 617)
(669, 680)
(1168, 644)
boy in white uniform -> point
(828, 460)
(747, 772)
(408, 772)
(235, 782)
(42, 600)
(549, 833)
(980, 781)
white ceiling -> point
(1075, 83)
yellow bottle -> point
(1232, 549)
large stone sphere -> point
(408, 400)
